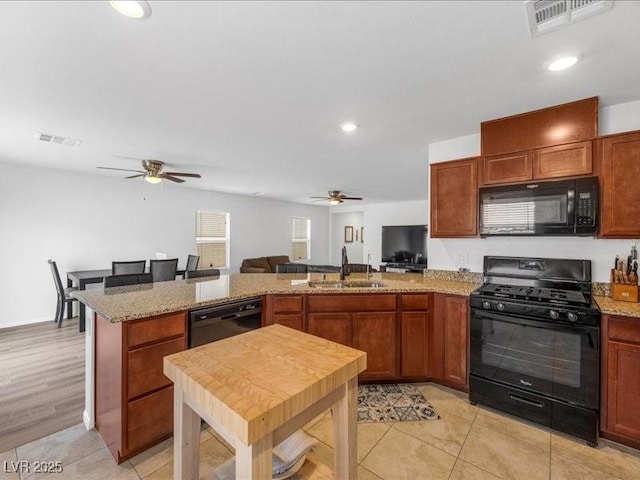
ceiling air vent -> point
(547, 15)
(69, 142)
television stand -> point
(403, 267)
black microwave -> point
(565, 207)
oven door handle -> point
(519, 320)
(532, 403)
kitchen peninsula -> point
(131, 329)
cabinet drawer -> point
(351, 303)
(292, 320)
(416, 302)
(287, 303)
(149, 419)
(156, 328)
(624, 329)
(145, 367)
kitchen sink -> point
(345, 284)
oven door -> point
(558, 360)
(544, 208)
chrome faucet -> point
(345, 264)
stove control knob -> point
(500, 307)
(572, 317)
(554, 314)
(486, 305)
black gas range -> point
(535, 348)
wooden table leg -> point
(345, 433)
(255, 462)
(186, 439)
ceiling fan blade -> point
(350, 198)
(322, 198)
(121, 169)
(136, 176)
(169, 177)
(179, 174)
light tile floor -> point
(468, 443)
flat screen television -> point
(404, 244)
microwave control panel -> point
(585, 209)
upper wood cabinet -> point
(619, 169)
(569, 160)
(559, 124)
(454, 198)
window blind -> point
(300, 238)
(212, 239)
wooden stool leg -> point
(345, 433)
(255, 462)
(186, 439)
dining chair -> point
(192, 263)
(127, 279)
(209, 272)
(291, 268)
(120, 268)
(163, 270)
(62, 293)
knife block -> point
(623, 291)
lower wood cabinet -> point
(415, 344)
(620, 415)
(375, 333)
(449, 353)
(332, 326)
(133, 398)
(287, 310)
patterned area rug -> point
(393, 403)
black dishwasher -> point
(222, 321)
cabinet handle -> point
(533, 403)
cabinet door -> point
(375, 333)
(563, 160)
(449, 342)
(623, 389)
(454, 199)
(509, 168)
(620, 196)
(332, 326)
(292, 320)
(414, 346)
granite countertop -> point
(615, 307)
(140, 301)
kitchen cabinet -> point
(415, 323)
(133, 398)
(558, 161)
(287, 310)
(620, 380)
(450, 340)
(619, 170)
(363, 321)
(454, 198)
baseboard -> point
(27, 322)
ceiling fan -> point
(336, 197)
(153, 173)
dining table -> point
(82, 278)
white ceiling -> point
(251, 94)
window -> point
(212, 239)
(300, 238)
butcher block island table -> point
(256, 389)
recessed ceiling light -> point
(133, 9)
(349, 127)
(561, 63)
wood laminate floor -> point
(41, 381)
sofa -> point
(263, 264)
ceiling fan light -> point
(132, 9)
(153, 179)
(335, 201)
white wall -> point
(451, 254)
(354, 249)
(86, 221)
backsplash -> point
(600, 289)
(456, 276)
